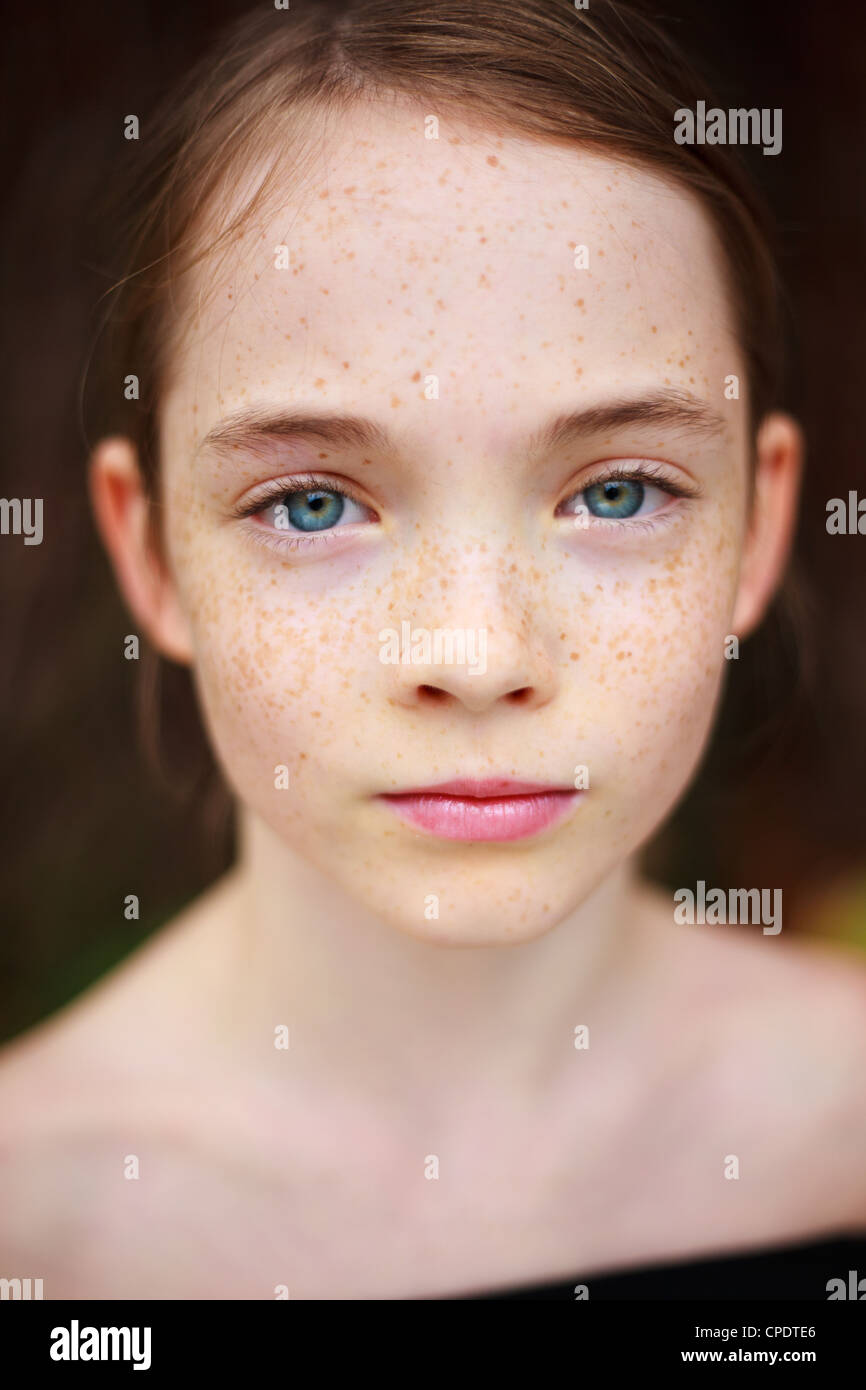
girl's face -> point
(436, 292)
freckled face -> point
(432, 289)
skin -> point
(414, 1034)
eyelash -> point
(273, 492)
(646, 473)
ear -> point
(122, 510)
(778, 468)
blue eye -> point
(638, 493)
(315, 510)
(616, 498)
(307, 509)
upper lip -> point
(481, 787)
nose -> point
(500, 661)
(477, 695)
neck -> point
(379, 1009)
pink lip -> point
(483, 809)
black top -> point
(800, 1271)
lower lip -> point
(483, 818)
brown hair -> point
(605, 78)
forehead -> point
(523, 274)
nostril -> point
(519, 697)
(432, 692)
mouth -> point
(491, 809)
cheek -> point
(278, 670)
(651, 665)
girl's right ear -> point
(122, 510)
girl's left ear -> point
(122, 510)
(778, 469)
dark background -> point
(83, 821)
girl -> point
(438, 440)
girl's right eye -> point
(314, 506)
(316, 509)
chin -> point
(475, 921)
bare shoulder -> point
(782, 1024)
(106, 1080)
(133, 1018)
(782, 974)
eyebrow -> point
(670, 408)
(253, 428)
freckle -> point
(574, 656)
(416, 376)
(492, 160)
(346, 365)
(395, 401)
(319, 382)
(654, 329)
(350, 190)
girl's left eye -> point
(622, 497)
